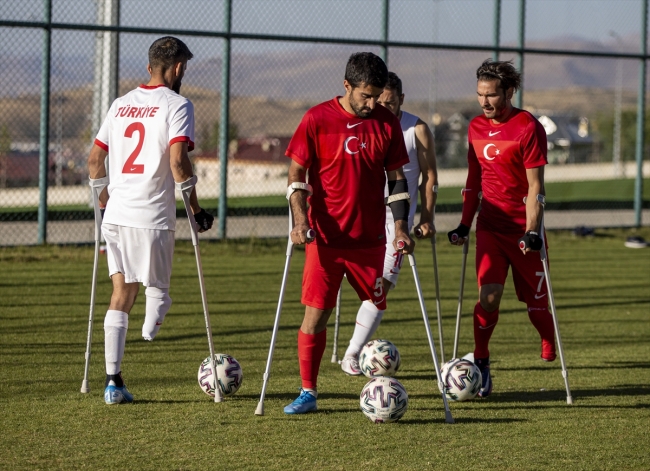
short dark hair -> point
(167, 51)
(366, 68)
(394, 83)
(499, 70)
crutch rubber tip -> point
(569, 400)
(85, 388)
(448, 418)
(260, 409)
(335, 358)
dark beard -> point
(177, 87)
(360, 111)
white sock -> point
(313, 392)
(368, 319)
(157, 306)
(116, 323)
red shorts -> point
(324, 270)
(495, 253)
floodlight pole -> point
(224, 123)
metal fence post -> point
(224, 123)
(640, 118)
(384, 31)
(520, 45)
(45, 124)
(496, 34)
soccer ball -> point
(461, 379)
(383, 400)
(379, 358)
(229, 375)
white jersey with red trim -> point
(137, 133)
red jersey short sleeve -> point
(347, 158)
(504, 151)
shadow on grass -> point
(577, 394)
(464, 420)
(608, 365)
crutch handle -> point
(418, 232)
(310, 235)
(401, 244)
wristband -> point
(530, 240)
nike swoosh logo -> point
(350, 126)
(133, 169)
(540, 296)
(487, 327)
(493, 133)
(378, 302)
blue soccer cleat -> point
(304, 403)
(486, 379)
(115, 395)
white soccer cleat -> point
(350, 365)
(469, 356)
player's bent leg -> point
(542, 319)
(158, 303)
(367, 322)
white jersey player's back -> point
(137, 133)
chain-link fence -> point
(64, 61)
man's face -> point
(391, 100)
(493, 99)
(363, 98)
(179, 72)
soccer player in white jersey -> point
(422, 161)
(146, 135)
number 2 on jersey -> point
(130, 166)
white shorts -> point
(141, 255)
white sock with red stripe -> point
(368, 320)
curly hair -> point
(503, 71)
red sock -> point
(484, 324)
(310, 353)
(542, 319)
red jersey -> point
(347, 158)
(498, 157)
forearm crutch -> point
(418, 234)
(185, 188)
(547, 276)
(96, 186)
(460, 297)
(267, 372)
(448, 418)
(337, 323)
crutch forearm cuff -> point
(298, 186)
(187, 184)
(98, 182)
(398, 197)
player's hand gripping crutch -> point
(185, 188)
(448, 418)
(96, 186)
(547, 276)
(418, 234)
(311, 234)
(337, 323)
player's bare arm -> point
(429, 185)
(298, 203)
(471, 201)
(401, 225)
(534, 208)
(97, 169)
(182, 170)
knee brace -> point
(158, 303)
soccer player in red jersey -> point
(506, 157)
(350, 147)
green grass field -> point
(603, 299)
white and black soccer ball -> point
(461, 379)
(229, 375)
(379, 358)
(383, 400)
